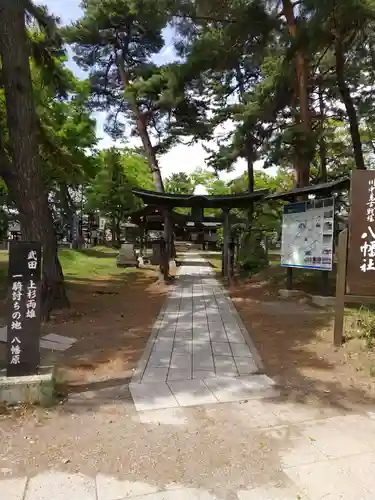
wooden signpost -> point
(355, 281)
(24, 283)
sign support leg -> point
(340, 288)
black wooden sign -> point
(24, 275)
(360, 277)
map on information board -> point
(307, 234)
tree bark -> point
(66, 205)
(24, 179)
(303, 160)
(114, 230)
(250, 180)
(142, 129)
(349, 105)
(322, 142)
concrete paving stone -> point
(177, 374)
(53, 346)
(300, 451)
(152, 396)
(182, 494)
(285, 490)
(203, 365)
(257, 381)
(110, 488)
(60, 486)
(198, 318)
(221, 348)
(181, 361)
(166, 333)
(237, 338)
(216, 327)
(202, 329)
(166, 416)
(201, 336)
(183, 335)
(361, 468)
(295, 413)
(225, 364)
(240, 350)
(336, 442)
(159, 359)
(53, 337)
(218, 336)
(183, 346)
(256, 414)
(202, 353)
(163, 345)
(203, 374)
(155, 374)
(327, 480)
(13, 489)
(216, 324)
(184, 324)
(226, 389)
(245, 366)
(191, 393)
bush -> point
(253, 256)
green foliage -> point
(110, 192)
(179, 183)
(253, 256)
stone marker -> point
(127, 256)
(24, 291)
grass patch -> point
(85, 264)
(91, 264)
(215, 261)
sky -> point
(181, 158)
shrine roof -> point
(323, 189)
(169, 200)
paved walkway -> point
(98, 446)
(200, 351)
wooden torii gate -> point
(168, 201)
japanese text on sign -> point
(23, 350)
(367, 249)
(32, 259)
(16, 324)
(31, 299)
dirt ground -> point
(112, 321)
(294, 340)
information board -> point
(307, 234)
(24, 283)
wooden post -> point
(226, 234)
(167, 239)
(340, 287)
(289, 278)
(325, 283)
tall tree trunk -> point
(348, 102)
(25, 179)
(249, 152)
(322, 142)
(142, 129)
(250, 179)
(118, 232)
(66, 205)
(303, 160)
(113, 230)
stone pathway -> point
(199, 352)
(99, 446)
